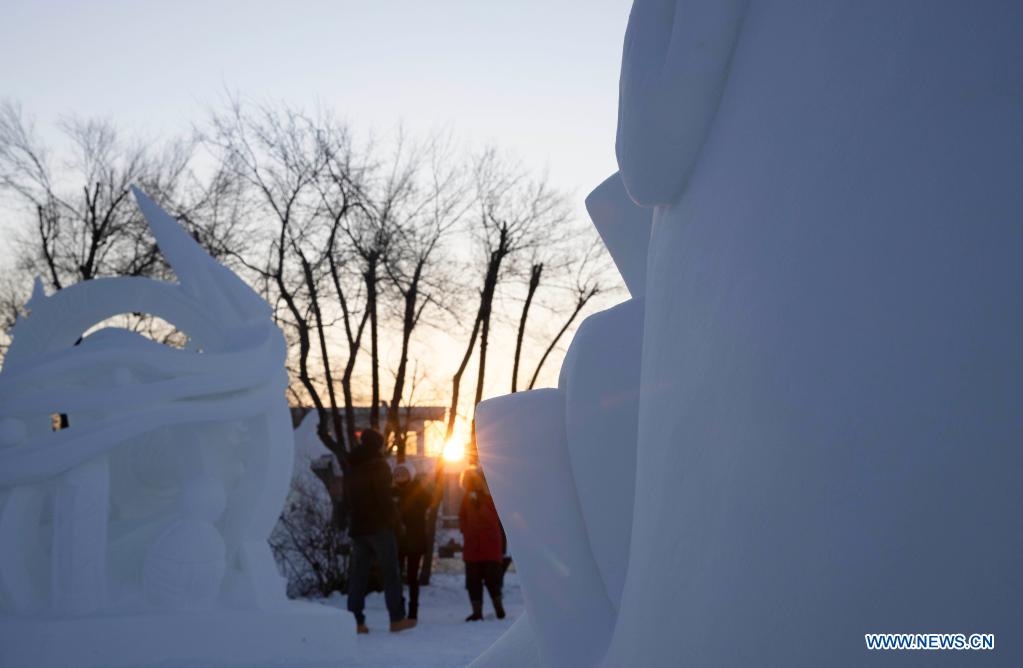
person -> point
(481, 544)
(506, 558)
(413, 502)
(371, 527)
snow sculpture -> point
(139, 533)
(829, 421)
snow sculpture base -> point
(297, 633)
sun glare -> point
(454, 449)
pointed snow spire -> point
(624, 227)
(38, 293)
(200, 276)
(37, 300)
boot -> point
(413, 610)
(477, 612)
(402, 625)
(498, 607)
(361, 628)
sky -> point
(538, 78)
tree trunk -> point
(408, 325)
(303, 370)
(474, 456)
(486, 310)
(354, 345)
(346, 390)
(534, 282)
(456, 381)
(49, 257)
(486, 300)
(328, 377)
(371, 305)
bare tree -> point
(279, 153)
(369, 235)
(535, 273)
(80, 221)
(591, 273)
(12, 297)
(404, 414)
(342, 194)
(425, 209)
(309, 545)
(515, 214)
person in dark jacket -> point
(371, 527)
(413, 501)
(481, 544)
(506, 559)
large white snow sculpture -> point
(138, 534)
(829, 418)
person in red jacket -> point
(481, 544)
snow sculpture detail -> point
(828, 413)
(139, 533)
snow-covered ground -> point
(442, 638)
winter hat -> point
(372, 439)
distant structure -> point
(414, 419)
(422, 453)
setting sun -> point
(454, 449)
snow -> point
(147, 520)
(674, 68)
(830, 428)
(442, 639)
(522, 437)
(600, 380)
(828, 406)
(624, 228)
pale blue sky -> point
(539, 77)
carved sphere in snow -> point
(185, 566)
